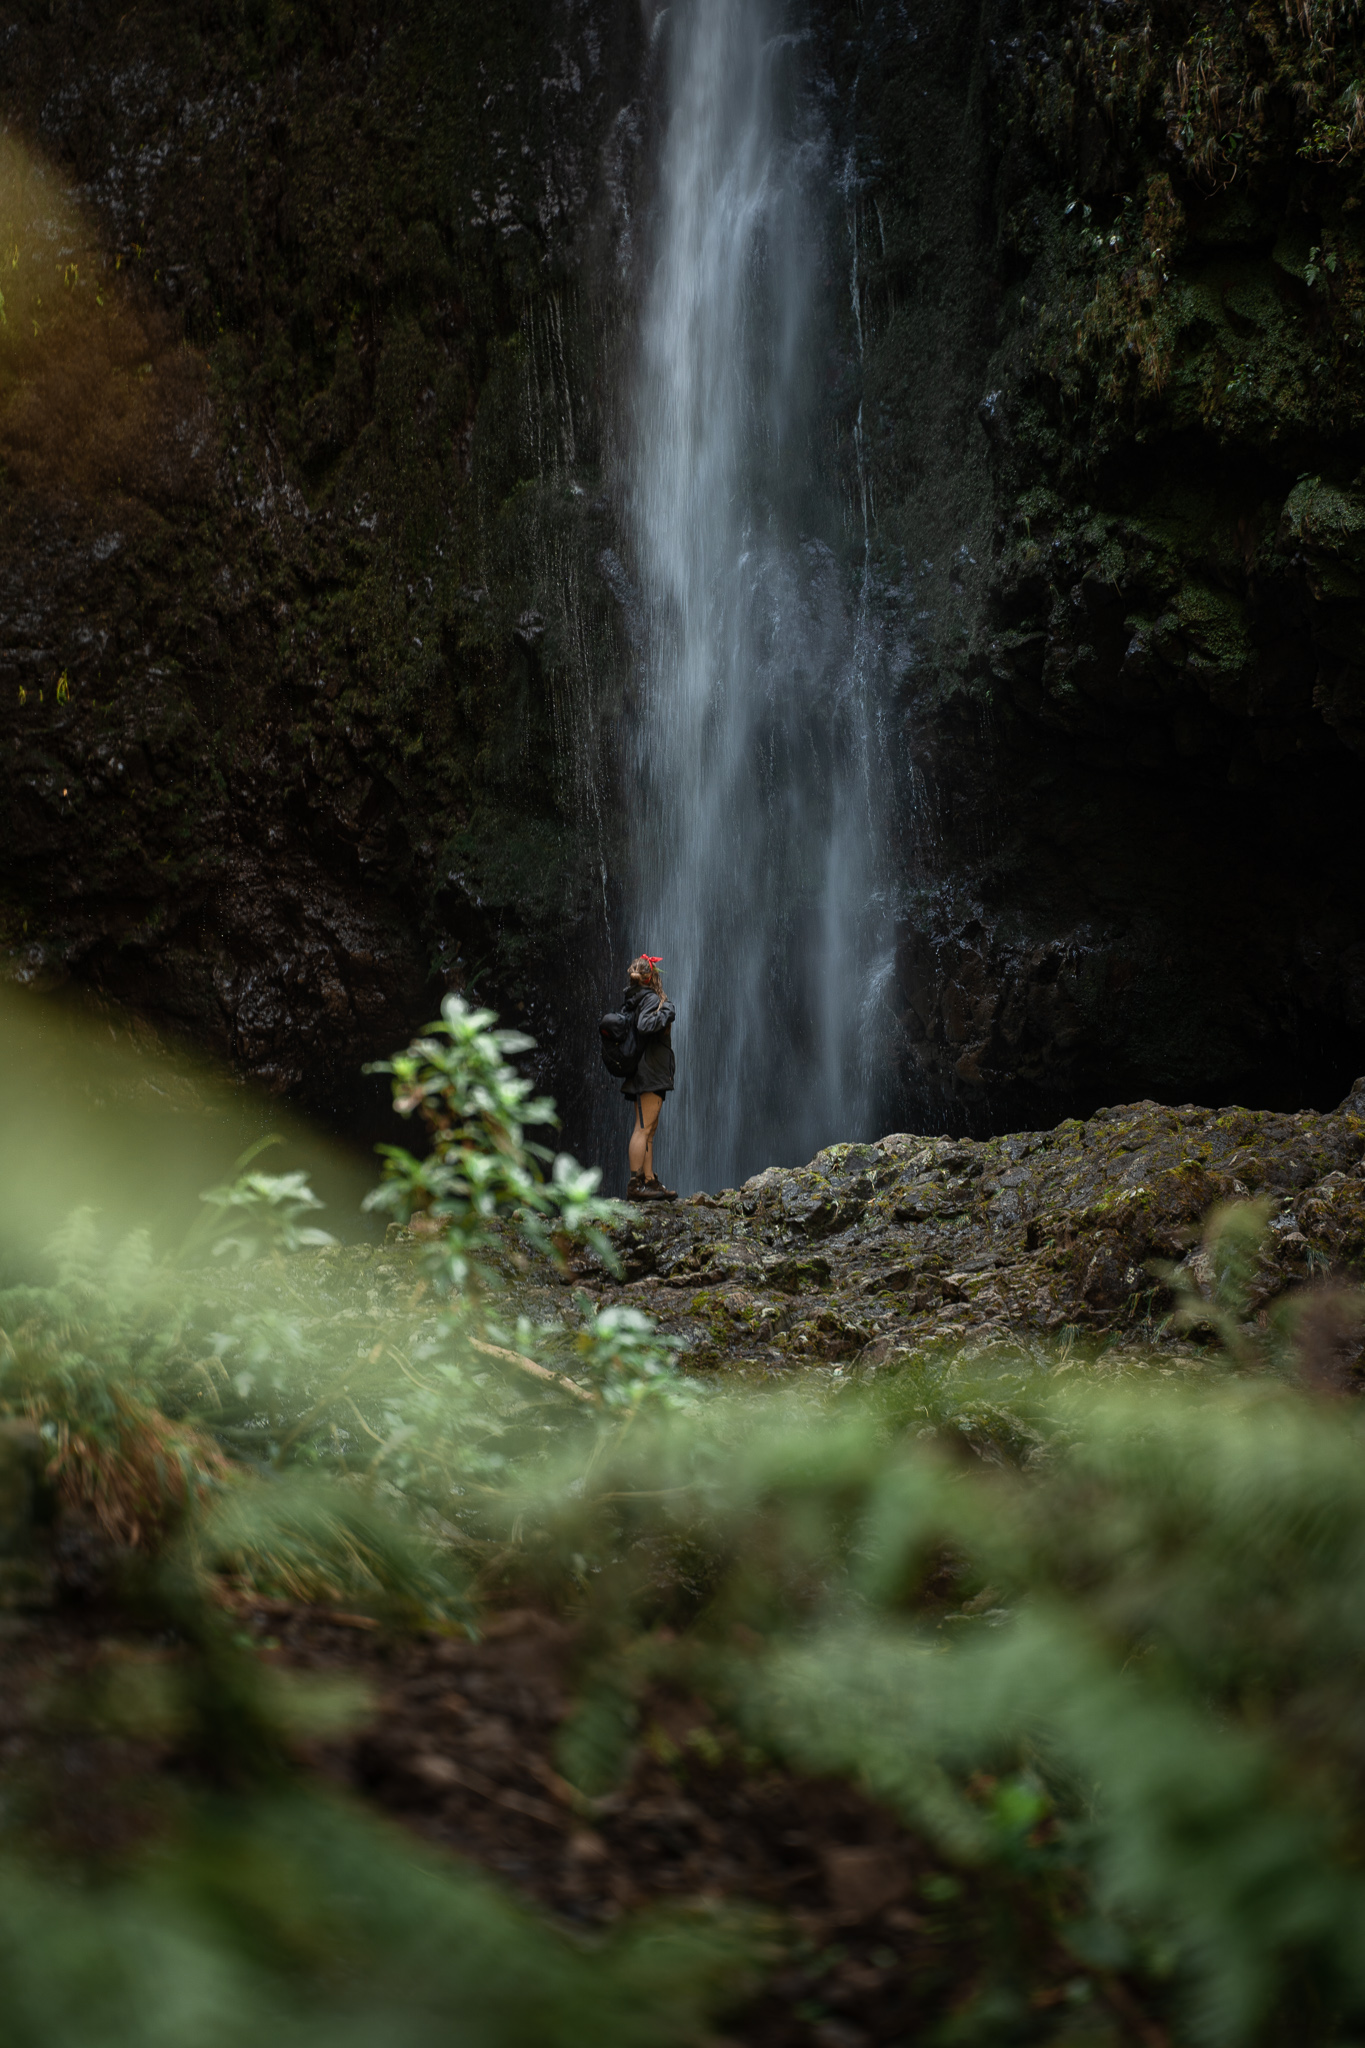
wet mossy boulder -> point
(1089, 1230)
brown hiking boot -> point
(655, 1191)
(635, 1190)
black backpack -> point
(621, 1047)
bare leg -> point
(650, 1105)
(647, 1109)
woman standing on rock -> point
(652, 1014)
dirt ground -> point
(872, 1940)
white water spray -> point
(757, 819)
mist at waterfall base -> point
(756, 784)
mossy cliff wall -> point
(1114, 326)
(304, 650)
(314, 624)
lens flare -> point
(98, 393)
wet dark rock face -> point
(1112, 395)
(314, 617)
(288, 677)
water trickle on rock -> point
(756, 805)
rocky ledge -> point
(880, 1249)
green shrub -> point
(481, 1169)
(1099, 1637)
(290, 1919)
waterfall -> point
(755, 793)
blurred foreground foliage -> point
(1095, 1632)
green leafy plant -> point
(482, 1170)
(1319, 264)
(630, 1361)
(286, 1917)
(260, 1212)
(1094, 1634)
(1109, 1704)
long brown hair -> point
(646, 972)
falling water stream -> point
(756, 800)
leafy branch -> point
(482, 1172)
